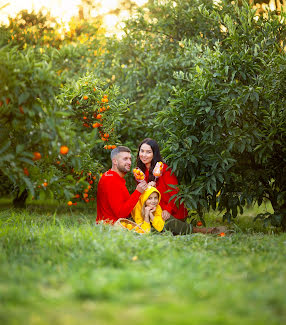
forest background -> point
(205, 79)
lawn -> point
(58, 267)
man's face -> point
(123, 162)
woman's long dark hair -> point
(156, 157)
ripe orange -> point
(106, 135)
(85, 195)
(95, 125)
(25, 170)
(199, 223)
(98, 116)
(113, 146)
(64, 150)
(37, 156)
(85, 97)
(69, 203)
(75, 203)
(45, 184)
(85, 118)
(222, 234)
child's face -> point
(152, 200)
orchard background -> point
(207, 80)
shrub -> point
(226, 130)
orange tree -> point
(144, 60)
(45, 148)
(224, 133)
(93, 114)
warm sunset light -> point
(63, 10)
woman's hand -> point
(152, 183)
(165, 215)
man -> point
(113, 198)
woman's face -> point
(152, 200)
(146, 154)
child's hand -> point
(152, 209)
(152, 183)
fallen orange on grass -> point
(222, 234)
(64, 150)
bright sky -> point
(62, 9)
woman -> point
(174, 216)
(147, 157)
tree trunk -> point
(19, 201)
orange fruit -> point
(129, 226)
(85, 97)
(95, 125)
(75, 203)
(199, 223)
(222, 234)
(69, 203)
(98, 116)
(37, 156)
(25, 170)
(64, 150)
(106, 135)
(21, 109)
(45, 184)
(7, 101)
(85, 118)
(85, 195)
(113, 146)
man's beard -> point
(122, 169)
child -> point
(148, 211)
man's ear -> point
(114, 162)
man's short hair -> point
(117, 150)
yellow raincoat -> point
(158, 222)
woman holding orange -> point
(147, 157)
(174, 216)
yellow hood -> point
(147, 193)
(137, 211)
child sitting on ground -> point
(147, 211)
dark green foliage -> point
(226, 130)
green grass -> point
(61, 268)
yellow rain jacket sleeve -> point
(158, 222)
